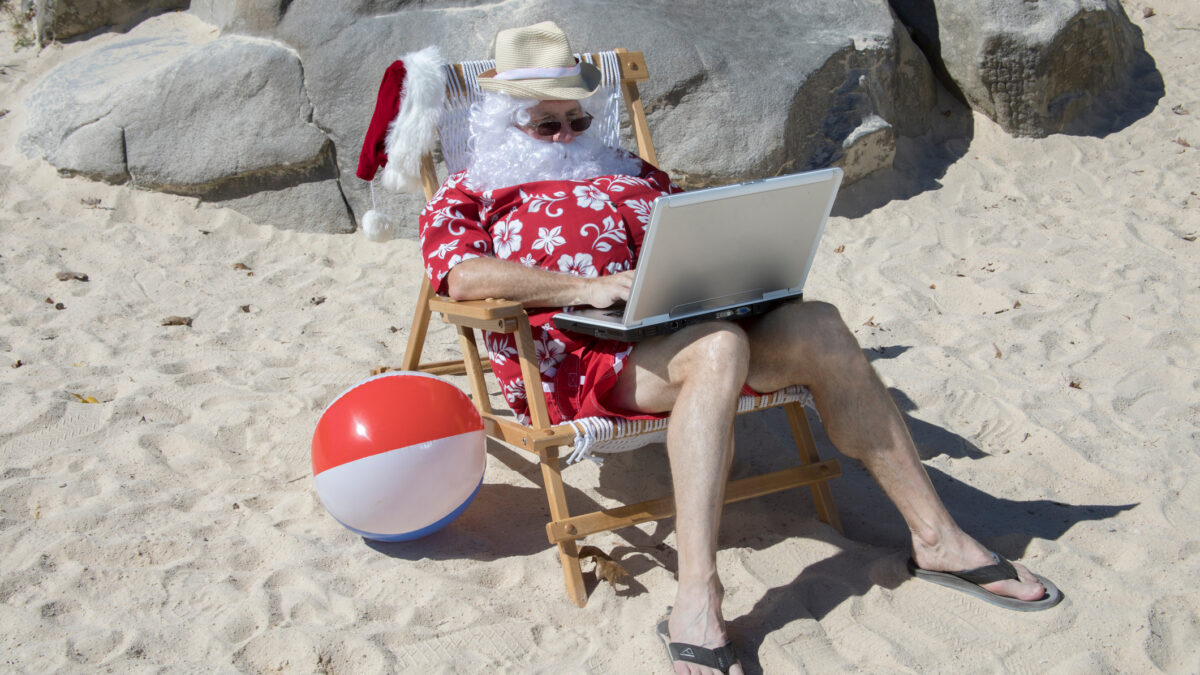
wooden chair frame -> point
(545, 440)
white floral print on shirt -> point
(506, 238)
(548, 238)
(589, 197)
(580, 265)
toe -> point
(1026, 587)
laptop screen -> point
(732, 244)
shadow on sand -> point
(509, 520)
(919, 163)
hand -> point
(608, 290)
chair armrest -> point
(493, 314)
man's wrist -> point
(582, 291)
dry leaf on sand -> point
(177, 321)
(606, 568)
(71, 276)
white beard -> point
(512, 157)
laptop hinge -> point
(784, 294)
(714, 303)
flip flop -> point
(968, 581)
(722, 658)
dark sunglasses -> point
(578, 125)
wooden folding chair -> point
(622, 71)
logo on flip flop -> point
(687, 651)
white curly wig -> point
(503, 155)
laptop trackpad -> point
(715, 303)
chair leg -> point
(822, 495)
(568, 556)
(568, 551)
(474, 368)
(420, 323)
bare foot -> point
(696, 619)
(960, 552)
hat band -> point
(536, 73)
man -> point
(550, 217)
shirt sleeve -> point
(636, 210)
(659, 178)
(451, 232)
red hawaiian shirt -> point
(588, 228)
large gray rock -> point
(220, 121)
(1031, 66)
(79, 112)
(775, 90)
(313, 206)
(66, 19)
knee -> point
(826, 331)
(824, 316)
(721, 350)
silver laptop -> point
(718, 253)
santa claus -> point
(551, 217)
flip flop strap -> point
(721, 658)
(1001, 571)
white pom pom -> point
(377, 226)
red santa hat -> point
(403, 129)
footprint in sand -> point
(1174, 641)
(94, 645)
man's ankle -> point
(927, 539)
(701, 594)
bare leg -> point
(698, 374)
(807, 343)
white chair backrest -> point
(455, 127)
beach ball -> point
(398, 456)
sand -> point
(1033, 304)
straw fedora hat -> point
(536, 62)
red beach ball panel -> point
(390, 411)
